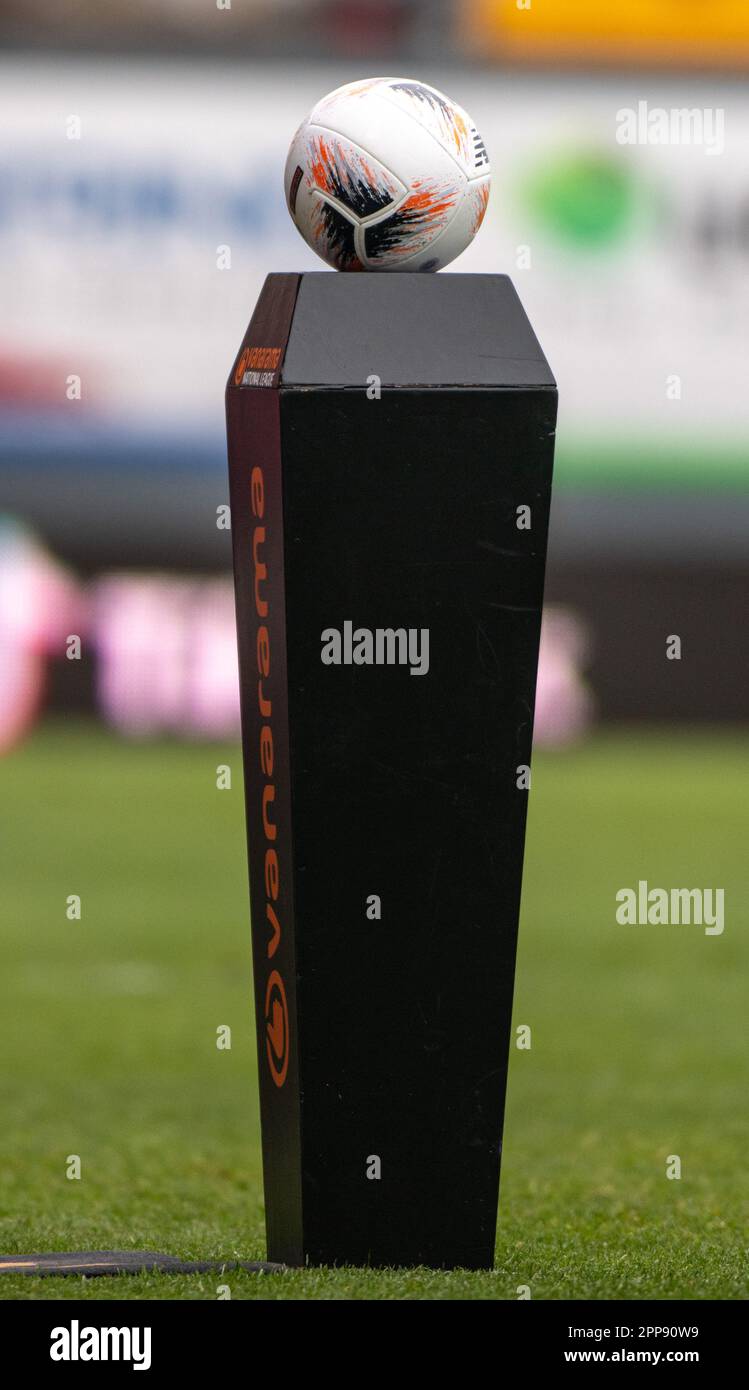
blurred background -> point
(145, 139)
(141, 206)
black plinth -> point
(386, 435)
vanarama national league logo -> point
(257, 366)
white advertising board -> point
(125, 188)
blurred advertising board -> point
(142, 207)
(702, 32)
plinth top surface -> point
(412, 329)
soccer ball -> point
(387, 174)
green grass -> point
(109, 1028)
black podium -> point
(390, 448)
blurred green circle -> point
(585, 199)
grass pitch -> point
(109, 1028)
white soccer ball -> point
(387, 174)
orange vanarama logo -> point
(277, 1042)
(277, 1027)
(258, 359)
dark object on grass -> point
(390, 449)
(96, 1262)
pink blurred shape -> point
(40, 606)
(564, 704)
(166, 650)
(167, 655)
